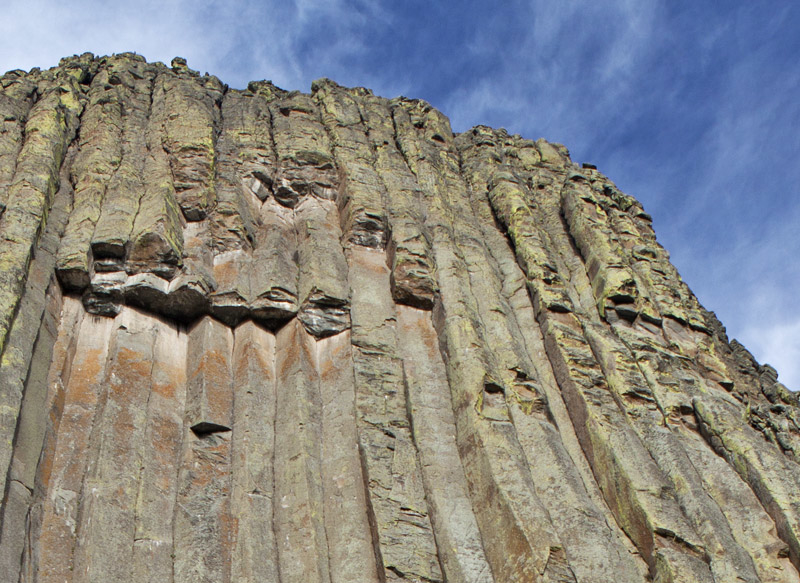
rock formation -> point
(266, 336)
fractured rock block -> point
(209, 392)
(322, 283)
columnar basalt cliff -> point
(266, 336)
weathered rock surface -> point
(259, 335)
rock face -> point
(265, 336)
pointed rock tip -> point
(129, 56)
(266, 87)
(76, 60)
(325, 83)
(322, 83)
(179, 63)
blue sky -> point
(691, 108)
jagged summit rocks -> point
(260, 335)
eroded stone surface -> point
(259, 335)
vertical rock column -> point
(503, 493)
(397, 507)
(350, 543)
(254, 553)
(111, 239)
(612, 279)
(98, 157)
(447, 493)
(398, 503)
(412, 280)
(77, 387)
(17, 94)
(306, 181)
(274, 272)
(53, 348)
(191, 124)
(299, 499)
(628, 481)
(772, 476)
(50, 128)
(154, 548)
(107, 520)
(361, 192)
(322, 281)
(36, 319)
(583, 523)
(320, 515)
(204, 527)
(24, 382)
(157, 233)
(247, 214)
(191, 143)
(245, 153)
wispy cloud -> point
(779, 344)
(238, 40)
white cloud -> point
(40, 32)
(236, 40)
(577, 59)
(778, 344)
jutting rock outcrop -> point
(267, 336)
